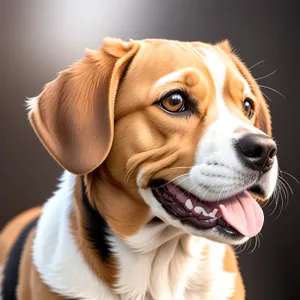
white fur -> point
(31, 103)
(163, 263)
(174, 77)
(55, 254)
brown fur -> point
(231, 266)
(10, 232)
(98, 118)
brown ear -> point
(225, 46)
(263, 120)
(74, 115)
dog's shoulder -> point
(11, 231)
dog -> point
(168, 155)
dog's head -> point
(172, 131)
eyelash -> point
(182, 92)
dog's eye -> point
(173, 103)
(248, 108)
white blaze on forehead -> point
(247, 90)
(217, 69)
(169, 78)
(175, 77)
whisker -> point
(270, 74)
(277, 194)
(281, 178)
(288, 174)
(244, 246)
(286, 200)
(265, 95)
(177, 184)
(177, 177)
(254, 239)
(258, 63)
(249, 245)
(275, 91)
(191, 189)
(285, 196)
(256, 243)
(284, 187)
(219, 197)
(260, 237)
(207, 191)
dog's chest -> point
(157, 263)
(181, 268)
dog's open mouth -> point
(239, 215)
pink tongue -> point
(243, 213)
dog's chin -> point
(173, 205)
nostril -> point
(249, 147)
(256, 150)
(273, 153)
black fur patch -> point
(96, 228)
(11, 269)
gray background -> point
(40, 38)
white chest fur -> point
(161, 263)
(157, 263)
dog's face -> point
(187, 142)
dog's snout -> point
(257, 151)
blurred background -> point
(40, 38)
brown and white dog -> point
(167, 152)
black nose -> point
(257, 151)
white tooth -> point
(189, 204)
(199, 210)
(213, 213)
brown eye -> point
(173, 103)
(248, 108)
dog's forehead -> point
(158, 58)
(164, 56)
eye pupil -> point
(173, 103)
(248, 108)
(175, 100)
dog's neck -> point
(158, 262)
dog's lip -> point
(178, 210)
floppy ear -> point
(74, 115)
